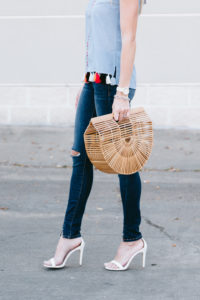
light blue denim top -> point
(103, 38)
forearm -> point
(127, 61)
(128, 25)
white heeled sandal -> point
(80, 248)
(122, 268)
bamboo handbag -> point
(119, 147)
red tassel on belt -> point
(97, 78)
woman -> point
(109, 86)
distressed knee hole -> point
(75, 153)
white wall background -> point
(42, 61)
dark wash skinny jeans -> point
(96, 99)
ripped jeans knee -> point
(79, 158)
(75, 153)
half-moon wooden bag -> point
(120, 147)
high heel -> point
(144, 254)
(122, 268)
(80, 248)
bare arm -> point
(128, 25)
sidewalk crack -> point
(160, 228)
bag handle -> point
(109, 117)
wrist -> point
(120, 96)
(123, 90)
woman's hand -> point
(120, 108)
(78, 96)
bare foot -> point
(124, 252)
(63, 247)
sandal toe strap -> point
(117, 264)
(52, 260)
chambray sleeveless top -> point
(103, 40)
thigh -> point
(103, 98)
(84, 112)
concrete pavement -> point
(35, 169)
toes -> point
(111, 266)
(46, 262)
